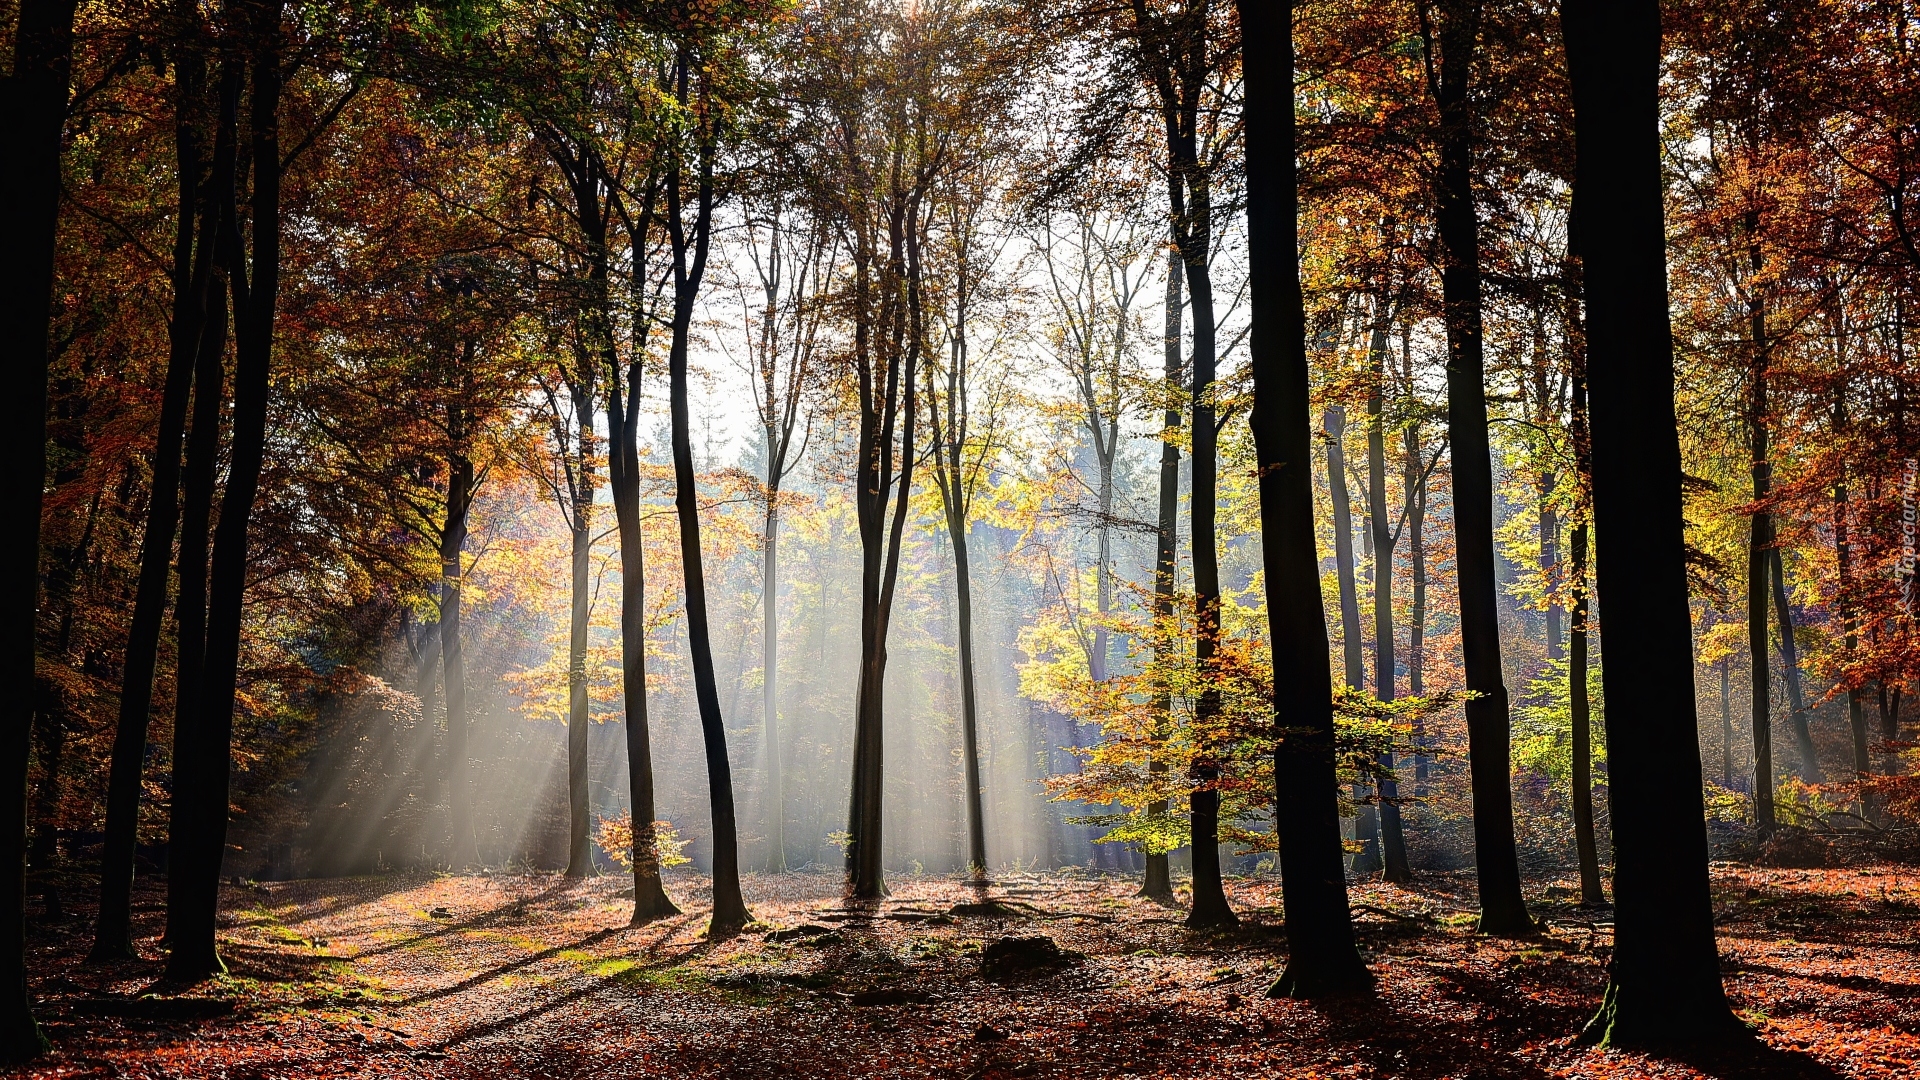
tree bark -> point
(1392, 837)
(255, 290)
(1759, 545)
(463, 849)
(1333, 421)
(689, 269)
(192, 273)
(1322, 960)
(1664, 985)
(35, 95)
(1502, 909)
(1790, 664)
(1158, 885)
(1579, 709)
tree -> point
(35, 99)
(254, 283)
(195, 227)
(1173, 56)
(793, 269)
(1322, 960)
(1450, 60)
(690, 249)
(1664, 985)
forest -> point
(959, 538)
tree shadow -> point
(671, 926)
(483, 920)
(1754, 1059)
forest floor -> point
(507, 976)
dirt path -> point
(507, 976)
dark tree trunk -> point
(1726, 723)
(198, 482)
(969, 717)
(689, 268)
(1392, 837)
(1759, 549)
(948, 449)
(888, 398)
(1352, 641)
(1790, 664)
(463, 848)
(650, 900)
(1322, 960)
(35, 109)
(1416, 509)
(255, 291)
(192, 272)
(1579, 709)
(1502, 909)
(1664, 985)
(1158, 885)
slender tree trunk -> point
(579, 841)
(1726, 723)
(769, 689)
(1580, 712)
(1352, 640)
(463, 848)
(1322, 960)
(1392, 836)
(1210, 908)
(650, 900)
(969, 707)
(1759, 547)
(1790, 664)
(1502, 909)
(36, 100)
(689, 269)
(190, 605)
(192, 273)
(1664, 984)
(255, 294)
(1585, 842)
(198, 483)
(1159, 882)
(1416, 481)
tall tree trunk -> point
(890, 400)
(579, 839)
(650, 900)
(969, 707)
(1502, 908)
(1210, 908)
(199, 480)
(1759, 546)
(1664, 984)
(1322, 960)
(689, 269)
(1159, 882)
(192, 273)
(1790, 664)
(1392, 837)
(1579, 709)
(1726, 723)
(1353, 644)
(769, 688)
(190, 605)
(949, 465)
(36, 105)
(255, 294)
(463, 848)
(1416, 510)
